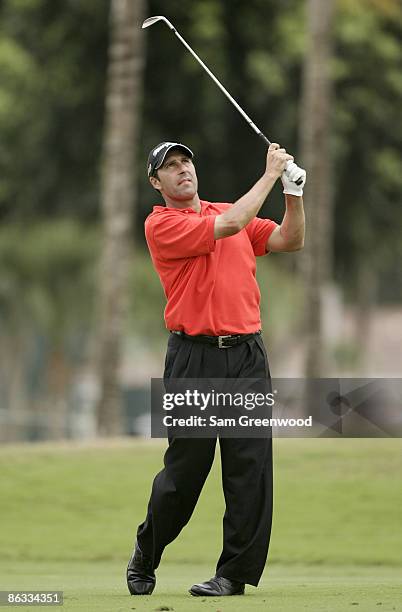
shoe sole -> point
(135, 593)
(215, 595)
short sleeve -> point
(179, 235)
(259, 230)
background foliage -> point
(52, 71)
(53, 58)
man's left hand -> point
(291, 174)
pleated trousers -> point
(246, 468)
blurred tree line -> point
(53, 67)
(52, 72)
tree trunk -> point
(117, 198)
(315, 156)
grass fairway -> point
(69, 514)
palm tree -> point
(315, 153)
(123, 94)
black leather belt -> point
(221, 342)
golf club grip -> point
(264, 138)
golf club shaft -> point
(221, 87)
(151, 20)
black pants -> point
(246, 468)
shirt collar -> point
(160, 208)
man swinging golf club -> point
(205, 254)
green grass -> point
(69, 514)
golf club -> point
(151, 20)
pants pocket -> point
(174, 344)
(261, 346)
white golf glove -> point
(292, 173)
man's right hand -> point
(277, 159)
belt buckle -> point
(221, 340)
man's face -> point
(176, 178)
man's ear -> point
(155, 183)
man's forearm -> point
(245, 209)
(293, 223)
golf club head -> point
(151, 20)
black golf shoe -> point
(217, 587)
(140, 573)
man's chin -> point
(186, 193)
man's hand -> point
(277, 158)
(246, 208)
(291, 174)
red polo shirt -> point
(210, 285)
